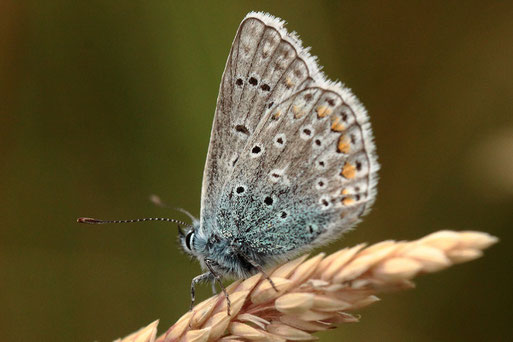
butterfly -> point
(291, 163)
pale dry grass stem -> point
(318, 293)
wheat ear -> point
(316, 294)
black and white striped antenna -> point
(89, 220)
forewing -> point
(304, 174)
(264, 67)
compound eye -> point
(188, 240)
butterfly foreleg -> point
(210, 265)
(198, 279)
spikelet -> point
(317, 294)
(146, 334)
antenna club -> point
(88, 220)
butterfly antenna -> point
(155, 199)
(88, 220)
(183, 211)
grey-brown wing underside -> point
(291, 160)
(305, 176)
(264, 67)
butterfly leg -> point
(195, 280)
(261, 270)
(210, 265)
(258, 267)
(214, 289)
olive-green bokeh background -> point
(106, 102)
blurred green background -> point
(106, 102)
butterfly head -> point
(190, 239)
(196, 243)
(219, 251)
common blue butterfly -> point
(291, 162)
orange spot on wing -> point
(336, 125)
(288, 83)
(344, 191)
(347, 200)
(323, 111)
(276, 115)
(343, 144)
(297, 112)
(348, 171)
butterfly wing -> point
(264, 67)
(293, 153)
